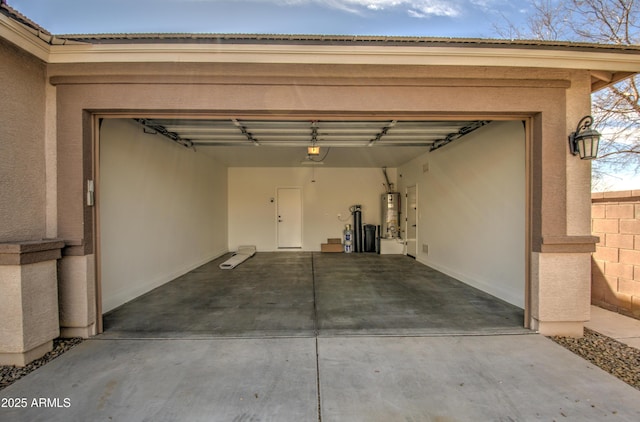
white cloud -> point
(482, 3)
(416, 14)
(415, 8)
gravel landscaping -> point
(616, 358)
(11, 374)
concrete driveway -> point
(312, 337)
(357, 378)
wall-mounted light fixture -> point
(584, 141)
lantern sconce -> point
(584, 141)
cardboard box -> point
(331, 247)
(334, 240)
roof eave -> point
(606, 61)
(23, 36)
(608, 64)
(602, 80)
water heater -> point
(390, 215)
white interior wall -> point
(471, 209)
(252, 215)
(163, 211)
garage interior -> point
(177, 195)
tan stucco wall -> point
(22, 156)
(28, 281)
(77, 296)
(28, 311)
(578, 171)
(560, 295)
(549, 98)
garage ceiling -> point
(283, 143)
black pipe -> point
(357, 228)
(388, 185)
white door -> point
(289, 218)
(412, 220)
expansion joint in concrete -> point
(316, 329)
(316, 332)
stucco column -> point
(77, 296)
(561, 293)
(28, 300)
(75, 220)
(562, 242)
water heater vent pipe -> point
(388, 185)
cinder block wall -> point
(615, 275)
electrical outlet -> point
(425, 248)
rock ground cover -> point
(618, 359)
(11, 374)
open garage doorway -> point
(176, 195)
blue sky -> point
(440, 18)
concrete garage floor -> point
(304, 294)
(226, 369)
